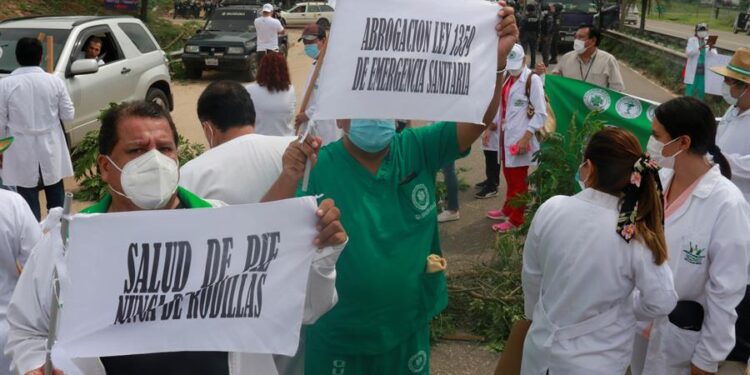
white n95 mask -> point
(655, 149)
(148, 180)
(579, 46)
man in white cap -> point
(267, 30)
(521, 90)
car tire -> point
(193, 72)
(324, 23)
(249, 74)
(157, 96)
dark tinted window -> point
(138, 36)
(233, 20)
(326, 8)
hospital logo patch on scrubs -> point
(417, 362)
(597, 100)
(694, 255)
(420, 197)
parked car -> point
(132, 65)
(227, 42)
(306, 13)
(633, 16)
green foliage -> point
(664, 71)
(85, 169)
(489, 298)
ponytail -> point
(650, 220)
(642, 209)
(620, 169)
(721, 160)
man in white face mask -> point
(733, 134)
(586, 62)
(138, 160)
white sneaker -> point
(448, 215)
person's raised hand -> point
(330, 230)
(507, 32)
(296, 156)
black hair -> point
(113, 116)
(227, 104)
(693, 118)
(29, 52)
(530, 7)
(594, 32)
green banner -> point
(568, 96)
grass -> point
(694, 13)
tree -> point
(644, 8)
(144, 11)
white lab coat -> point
(19, 232)
(32, 103)
(732, 136)
(238, 171)
(517, 123)
(715, 222)
(326, 129)
(28, 313)
(693, 52)
(578, 277)
(494, 141)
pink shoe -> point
(497, 215)
(503, 227)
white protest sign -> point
(225, 279)
(713, 80)
(419, 59)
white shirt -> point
(578, 277)
(708, 252)
(274, 111)
(267, 30)
(733, 137)
(19, 232)
(327, 130)
(82, 55)
(32, 103)
(238, 171)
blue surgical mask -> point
(312, 50)
(372, 135)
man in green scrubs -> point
(384, 185)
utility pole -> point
(144, 11)
(644, 8)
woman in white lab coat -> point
(522, 90)
(586, 254)
(695, 67)
(706, 224)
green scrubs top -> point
(391, 219)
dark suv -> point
(227, 42)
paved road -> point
(726, 39)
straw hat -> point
(739, 66)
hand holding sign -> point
(330, 230)
(507, 31)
